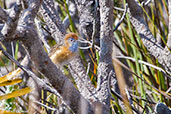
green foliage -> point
(150, 85)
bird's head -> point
(71, 40)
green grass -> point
(150, 85)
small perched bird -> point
(64, 54)
(59, 55)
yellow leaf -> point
(8, 112)
(0, 53)
(9, 75)
(16, 93)
(11, 82)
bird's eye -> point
(71, 40)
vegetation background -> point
(131, 37)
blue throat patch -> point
(74, 47)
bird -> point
(61, 55)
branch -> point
(43, 63)
(3, 15)
(55, 76)
(52, 19)
(137, 20)
(33, 45)
(77, 68)
(145, 3)
(169, 35)
(82, 79)
(105, 67)
(41, 83)
(88, 12)
(142, 62)
(11, 22)
(42, 35)
(122, 18)
(90, 44)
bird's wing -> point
(53, 49)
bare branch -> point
(88, 12)
(82, 80)
(146, 2)
(42, 35)
(41, 83)
(88, 42)
(105, 67)
(11, 22)
(169, 35)
(77, 68)
(142, 62)
(119, 9)
(52, 19)
(50, 108)
(3, 15)
(33, 45)
(122, 18)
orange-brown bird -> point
(64, 54)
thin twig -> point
(163, 93)
(168, 90)
(95, 23)
(122, 18)
(142, 62)
(145, 3)
(30, 73)
(118, 95)
(140, 98)
(53, 109)
(120, 9)
(94, 32)
(124, 57)
(86, 86)
(88, 42)
(42, 35)
(88, 69)
(39, 81)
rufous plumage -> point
(64, 54)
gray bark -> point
(105, 67)
(169, 35)
(27, 33)
(77, 68)
(51, 17)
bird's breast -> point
(62, 56)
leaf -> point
(0, 52)
(16, 93)
(11, 82)
(9, 75)
(8, 112)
